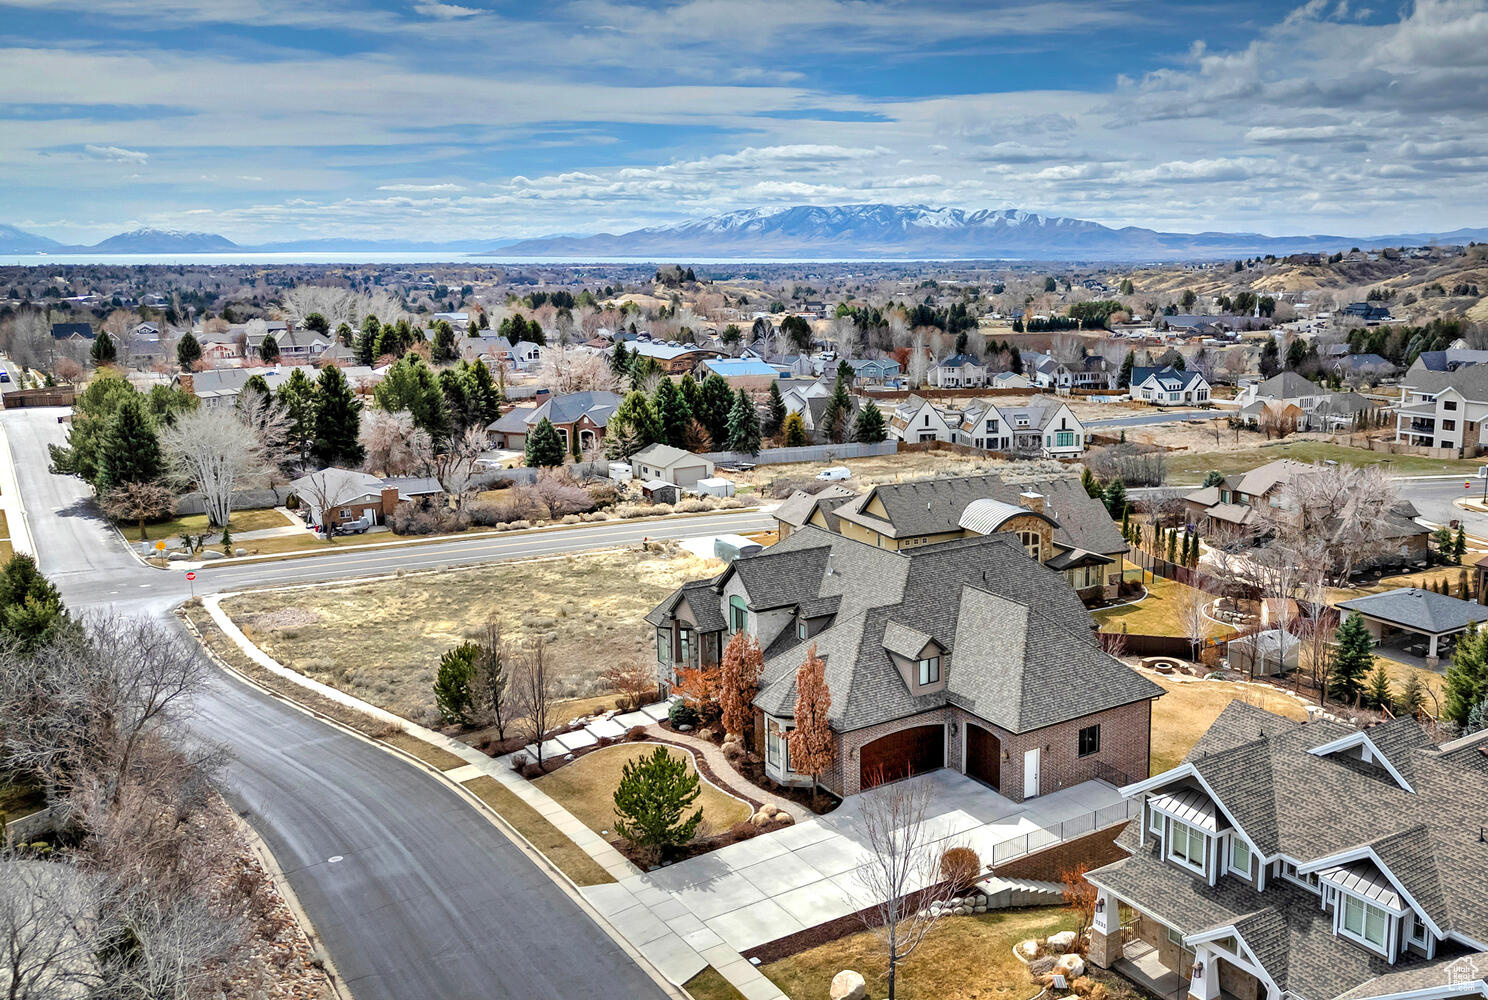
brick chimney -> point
(1032, 501)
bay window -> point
(777, 748)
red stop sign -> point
(191, 576)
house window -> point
(930, 671)
(664, 646)
(1449, 425)
(1363, 922)
(1065, 439)
(1032, 541)
(1418, 932)
(1240, 857)
(991, 427)
(1449, 404)
(1187, 845)
(1154, 821)
(777, 748)
(1176, 937)
(1089, 740)
(800, 628)
(738, 614)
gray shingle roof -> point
(797, 509)
(1418, 609)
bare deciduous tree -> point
(454, 467)
(903, 860)
(575, 369)
(215, 451)
(1192, 619)
(493, 677)
(139, 502)
(394, 446)
(536, 693)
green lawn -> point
(1158, 614)
(241, 521)
(962, 958)
(586, 788)
(1184, 467)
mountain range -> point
(840, 232)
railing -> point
(1070, 829)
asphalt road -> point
(429, 899)
(1161, 417)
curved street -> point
(429, 898)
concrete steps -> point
(1003, 893)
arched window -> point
(738, 614)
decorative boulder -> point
(705, 734)
(1028, 950)
(240, 552)
(848, 985)
(1061, 942)
(178, 556)
(212, 554)
(1071, 966)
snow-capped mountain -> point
(164, 241)
(878, 232)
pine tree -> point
(103, 351)
(633, 425)
(652, 799)
(544, 446)
(366, 343)
(1126, 524)
(1377, 690)
(1351, 661)
(1123, 380)
(620, 359)
(268, 349)
(130, 451)
(672, 411)
(744, 426)
(1466, 682)
(1412, 695)
(835, 416)
(31, 610)
(1091, 485)
(1459, 544)
(443, 350)
(775, 412)
(870, 428)
(453, 694)
(411, 385)
(344, 335)
(337, 421)
(480, 388)
(716, 401)
(794, 431)
(1115, 498)
(188, 351)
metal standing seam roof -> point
(985, 515)
(1362, 878)
(1189, 805)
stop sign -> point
(191, 576)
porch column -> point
(1203, 984)
(1431, 658)
(1105, 930)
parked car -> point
(834, 473)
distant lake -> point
(239, 257)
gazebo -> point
(1411, 611)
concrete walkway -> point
(730, 779)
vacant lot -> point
(902, 467)
(382, 640)
(586, 788)
(1190, 707)
(1189, 467)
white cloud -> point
(421, 187)
(115, 154)
(445, 11)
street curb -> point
(433, 539)
(13, 484)
(276, 874)
(569, 887)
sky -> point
(430, 120)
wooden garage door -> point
(983, 755)
(898, 755)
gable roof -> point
(663, 455)
(1167, 377)
(797, 509)
(1288, 385)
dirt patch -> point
(381, 641)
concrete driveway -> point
(783, 882)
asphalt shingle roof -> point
(1424, 610)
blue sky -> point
(427, 120)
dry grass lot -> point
(196, 524)
(1190, 707)
(381, 640)
(963, 958)
(586, 788)
(1189, 467)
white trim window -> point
(1363, 922)
(1239, 857)
(1154, 821)
(1188, 845)
(777, 748)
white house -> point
(959, 371)
(917, 419)
(1169, 386)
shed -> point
(714, 487)
(660, 491)
(670, 465)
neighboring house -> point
(1444, 410)
(339, 496)
(1354, 368)
(1449, 360)
(1058, 523)
(585, 414)
(1369, 312)
(1419, 617)
(916, 420)
(958, 371)
(967, 655)
(1284, 860)
(1048, 429)
(671, 465)
(740, 373)
(800, 509)
(873, 371)
(295, 346)
(1169, 386)
(72, 331)
(494, 350)
(674, 358)
(1339, 411)
(1090, 372)
(525, 355)
(220, 386)
(337, 354)
(813, 414)
(1286, 386)
(1009, 380)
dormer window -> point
(1187, 845)
(1240, 857)
(1364, 922)
(930, 671)
(738, 614)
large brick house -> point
(585, 414)
(1057, 522)
(967, 654)
(1287, 860)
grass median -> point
(565, 855)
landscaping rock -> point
(684, 728)
(1028, 949)
(848, 985)
(178, 557)
(1062, 942)
(212, 554)
(240, 552)
(705, 734)
(1071, 966)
